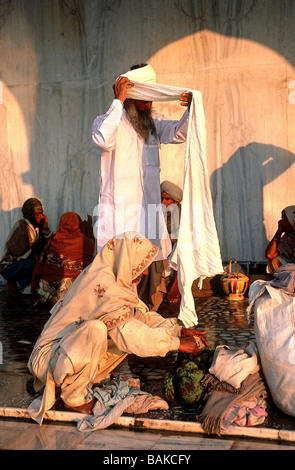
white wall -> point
(59, 60)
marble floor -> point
(15, 435)
(20, 324)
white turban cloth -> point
(173, 190)
(198, 248)
(142, 74)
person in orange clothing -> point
(68, 253)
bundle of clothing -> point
(115, 396)
(182, 386)
(235, 390)
(222, 386)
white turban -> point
(172, 189)
(290, 214)
(146, 87)
(142, 74)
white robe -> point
(130, 198)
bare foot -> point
(86, 408)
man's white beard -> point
(142, 121)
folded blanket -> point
(219, 403)
(248, 413)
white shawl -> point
(198, 245)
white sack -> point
(274, 323)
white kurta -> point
(130, 197)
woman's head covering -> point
(173, 190)
(290, 214)
(30, 206)
(70, 224)
(104, 290)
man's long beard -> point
(142, 122)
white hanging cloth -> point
(198, 245)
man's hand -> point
(186, 99)
(44, 223)
(120, 88)
(189, 346)
(189, 341)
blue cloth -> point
(20, 272)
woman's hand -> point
(190, 332)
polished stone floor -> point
(21, 322)
(15, 435)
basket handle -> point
(231, 260)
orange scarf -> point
(68, 253)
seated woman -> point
(67, 254)
(281, 248)
(97, 323)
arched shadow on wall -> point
(240, 182)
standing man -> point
(129, 136)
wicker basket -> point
(234, 284)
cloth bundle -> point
(245, 414)
(233, 366)
(198, 245)
(236, 391)
(114, 397)
(222, 408)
